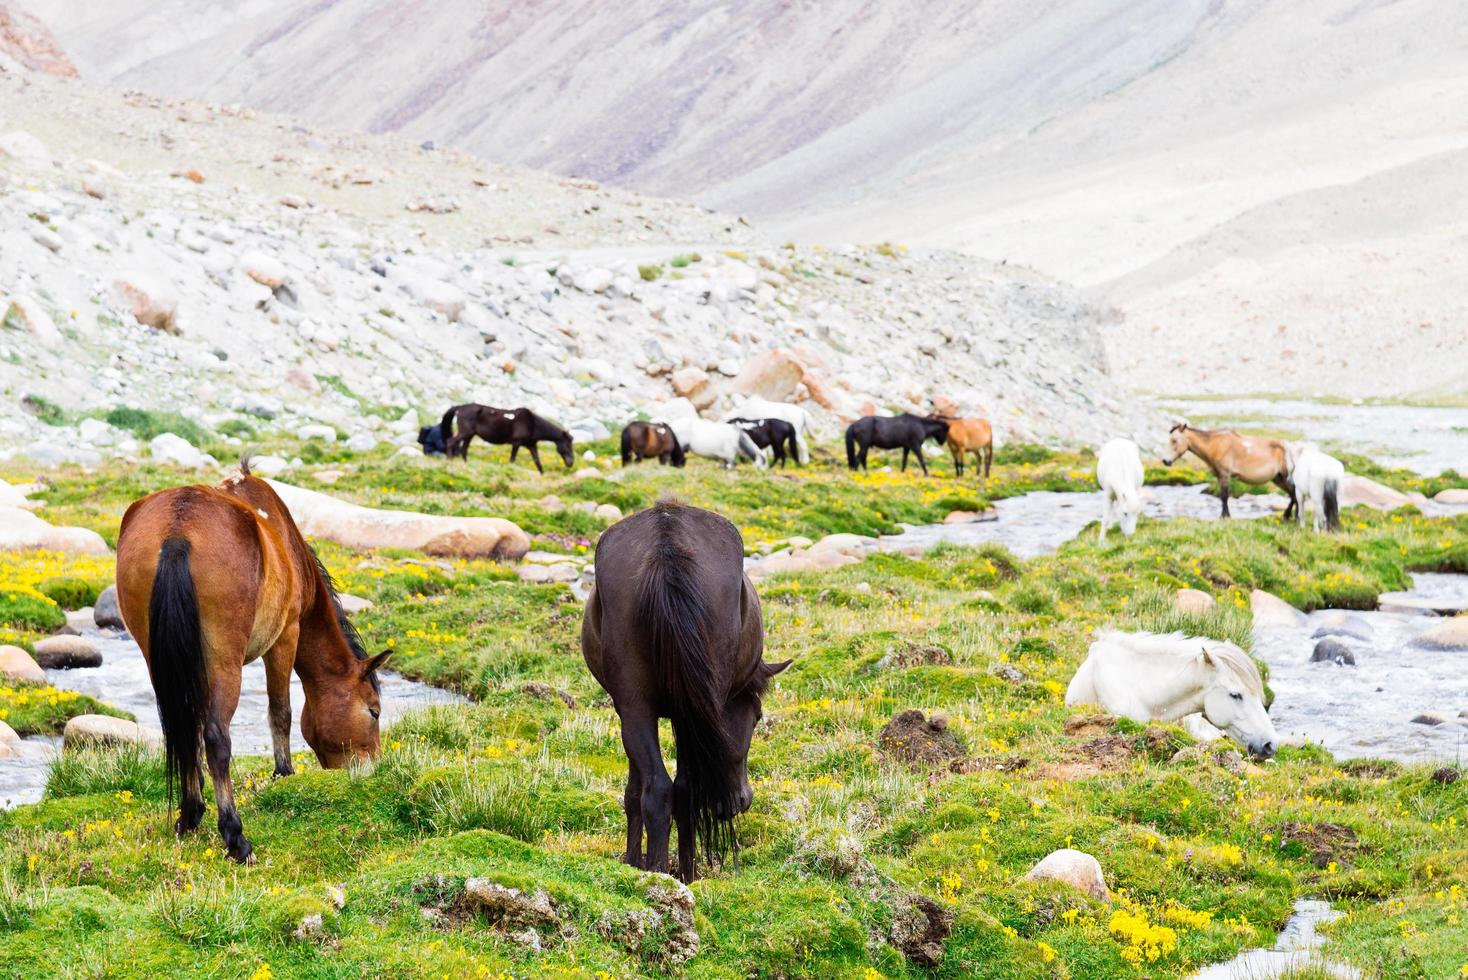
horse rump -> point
(176, 661)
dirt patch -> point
(1012, 763)
(913, 737)
(1370, 768)
(1107, 752)
(541, 691)
(1089, 724)
(919, 928)
(1322, 842)
(915, 655)
(1447, 775)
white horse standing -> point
(1165, 677)
(1317, 477)
(718, 440)
(1120, 474)
(755, 407)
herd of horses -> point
(212, 578)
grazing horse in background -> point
(1119, 473)
(672, 630)
(651, 440)
(431, 439)
(1317, 477)
(772, 434)
(211, 578)
(755, 407)
(906, 432)
(520, 427)
(970, 436)
(1164, 677)
(1253, 459)
(718, 440)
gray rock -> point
(67, 653)
(104, 730)
(106, 613)
(1345, 625)
(1430, 718)
(1333, 651)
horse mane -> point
(544, 427)
(349, 632)
(1181, 645)
(678, 625)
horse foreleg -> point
(279, 660)
(224, 697)
(683, 814)
(988, 459)
(1224, 479)
(904, 458)
(535, 458)
(632, 805)
(957, 462)
(640, 741)
(919, 453)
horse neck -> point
(322, 652)
(1205, 443)
(1176, 688)
(546, 429)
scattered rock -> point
(1193, 602)
(268, 465)
(1324, 842)
(970, 516)
(20, 145)
(1333, 651)
(105, 613)
(773, 375)
(1447, 775)
(169, 448)
(1010, 673)
(509, 906)
(1430, 718)
(1358, 490)
(353, 604)
(20, 530)
(1450, 634)
(149, 297)
(265, 269)
(104, 730)
(1453, 495)
(1337, 622)
(1270, 611)
(1075, 868)
(67, 652)
(920, 926)
(914, 737)
(18, 665)
(914, 655)
(316, 430)
(610, 513)
(31, 317)
(542, 691)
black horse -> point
(520, 427)
(906, 432)
(431, 439)
(776, 435)
(673, 630)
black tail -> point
(675, 614)
(850, 450)
(626, 446)
(176, 661)
(446, 425)
(1332, 505)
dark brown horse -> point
(776, 435)
(651, 440)
(211, 578)
(907, 432)
(519, 427)
(673, 630)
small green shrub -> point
(70, 593)
(47, 411)
(649, 272)
(30, 611)
(145, 424)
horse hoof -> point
(243, 852)
(287, 771)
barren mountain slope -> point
(239, 267)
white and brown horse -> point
(1253, 459)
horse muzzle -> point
(1262, 750)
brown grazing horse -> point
(1253, 459)
(970, 436)
(519, 427)
(673, 630)
(211, 578)
(651, 440)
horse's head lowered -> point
(1233, 699)
(1177, 443)
(742, 713)
(340, 722)
(563, 446)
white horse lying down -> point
(1120, 474)
(718, 440)
(755, 407)
(1165, 677)
(1317, 478)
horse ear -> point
(770, 670)
(375, 663)
(1207, 658)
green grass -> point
(39, 709)
(526, 790)
(146, 424)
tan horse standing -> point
(1253, 459)
(971, 436)
(211, 578)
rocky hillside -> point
(237, 267)
(1279, 180)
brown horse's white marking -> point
(1253, 459)
(211, 578)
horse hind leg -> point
(655, 803)
(223, 700)
(632, 806)
(683, 816)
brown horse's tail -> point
(679, 629)
(626, 446)
(176, 661)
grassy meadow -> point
(856, 861)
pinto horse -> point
(211, 578)
(673, 630)
(651, 440)
(906, 432)
(970, 436)
(776, 435)
(519, 427)
(1252, 459)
